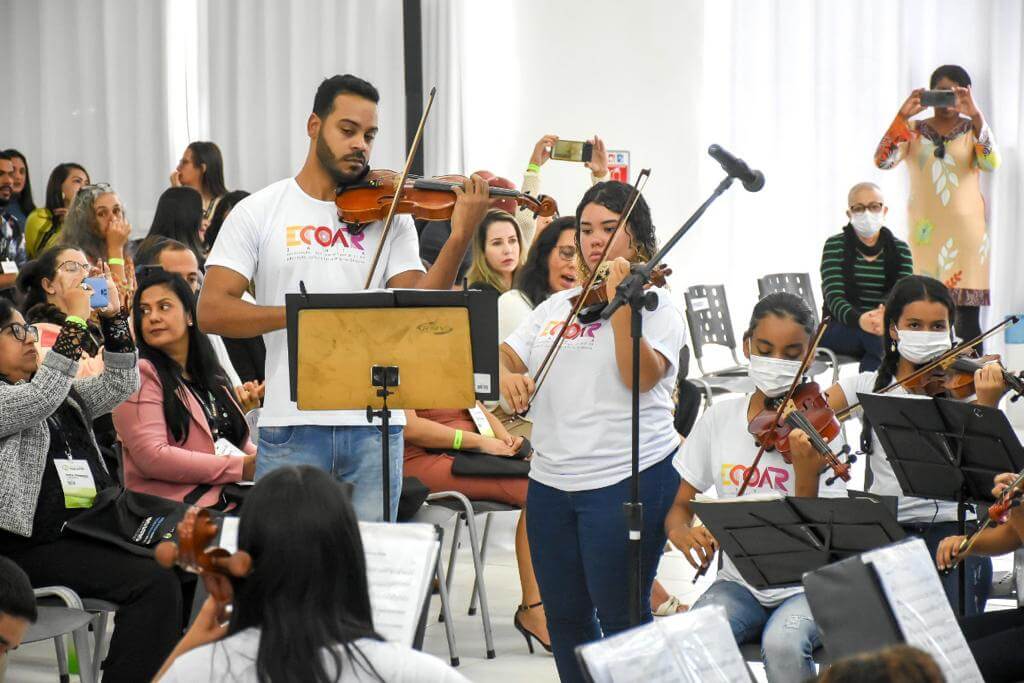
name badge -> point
(8, 267)
(482, 425)
(226, 448)
(77, 482)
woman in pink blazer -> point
(183, 433)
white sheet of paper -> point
(693, 647)
(229, 534)
(224, 447)
(400, 562)
(911, 584)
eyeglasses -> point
(19, 331)
(99, 188)
(873, 207)
(73, 267)
(567, 253)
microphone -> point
(737, 168)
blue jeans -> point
(351, 454)
(853, 341)
(579, 546)
(979, 569)
(788, 633)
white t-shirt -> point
(279, 236)
(911, 510)
(716, 455)
(581, 415)
(234, 659)
(513, 308)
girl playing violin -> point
(919, 327)
(717, 454)
(579, 477)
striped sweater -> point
(870, 276)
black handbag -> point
(474, 464)
(132, 521)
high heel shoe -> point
(529, 635)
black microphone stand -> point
(631, 291)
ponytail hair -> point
(781, 305)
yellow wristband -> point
(532, 168)
(457, 442)
(115, 261)
(75, 320)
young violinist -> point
(290, 232)
(579, 477)
(717, 455)
(918, 326)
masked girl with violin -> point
(717, 455)
(579, 476)
(918, 325)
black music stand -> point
(773, 543)
(345, 352)
(945, 450)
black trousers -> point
(996, 640)
(148, 622)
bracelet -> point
(457, 442)
(74, 319)
(532, 168)
(115, 261)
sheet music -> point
(692, 647)
(400, 561)
(911, 584)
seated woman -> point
(497, 252)
(96, 225)
(859, 267)
(44, 224)
(438, 429)
(47, 441)
(718, 453)
(184, 435)
(303, 612)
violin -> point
(596, 297)
(997, 512)
(803, 407)
(955, 378)
(431, 199)
(194, 552)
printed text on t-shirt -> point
(323, 243)
(576, 335)
(763, 477)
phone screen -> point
(99, 292)
(568, 150)
(938, 98)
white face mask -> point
(867, 223)
(773, 376)
(920, 347)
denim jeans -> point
(979, 569)
(579, 546)
(853, 341)
(788, 633)
(351, 454)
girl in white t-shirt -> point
(303, 612)
(717, 455)
(579, 476)
(919, 327)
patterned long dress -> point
(946, 212)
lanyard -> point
(210, 411)
(54, 424)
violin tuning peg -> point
(850, 459)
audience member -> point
(23, 203)
(858, 268)
(202, 168)
(44, 224)
(224, 206)
(12, 233)
(497, 252)
(183, 433)
(896, 664)
(96, 225)
(303, 612)
(47, 417)
(17, 606)
(179, 213)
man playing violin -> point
(719, 453)
(290, 232)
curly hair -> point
(81, 229)
(615, 196)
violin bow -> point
(805, 365)
(400, 185)
(545, 366)
(933, 364)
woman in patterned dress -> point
(946, 212)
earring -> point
(892, 346)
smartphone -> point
(938, 98)
(99, 291)
(572, 150)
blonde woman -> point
(497, 252)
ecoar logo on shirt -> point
(325, 243)
(576, 335)
(767, 477)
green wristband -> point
(75, 320)
(115, 261)
(532, 168)
(457, 442)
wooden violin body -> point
(955, 379)
(431, 199)
(597, 298)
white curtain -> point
(86, 82)
(804, 91)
